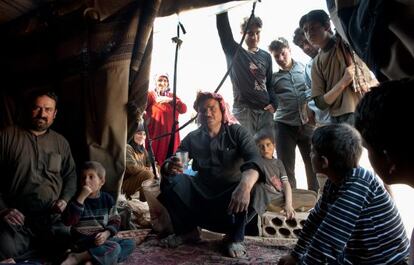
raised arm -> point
(226, 36)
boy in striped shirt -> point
(94, 223)
(355, 221)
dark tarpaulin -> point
(96, 55)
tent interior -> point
(96, 56)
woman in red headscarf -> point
(160, 107)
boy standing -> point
(355, 221)
(250, 75)
(93, 223)
(334, 70)
(292, 121)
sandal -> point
(236, 250)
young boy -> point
(93, 224)
(355, 221)
(380, 119)
(251, 74)
(276, 177)
(338, 78)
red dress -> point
(161, 122)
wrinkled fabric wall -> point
(87, 63)
(97, 59)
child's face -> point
(90, 178)
(316, 33)
(252, 37)
(266, 148)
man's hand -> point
(239, 199)
(348, 76)
(83, 194)
(163, 99)
(287, 260)
(13, 217)
(270, 108)
(172, 166)
(101, 237)
(59, 206)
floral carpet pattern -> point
(208, 251)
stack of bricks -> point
(275, 225)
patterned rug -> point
(208, 251)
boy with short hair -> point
(355, 221)
(93, 223)
(251, 74)
(292, 123)
(339, 79)
(277, 181)
(276, 177)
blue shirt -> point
(290, 89)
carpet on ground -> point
(207, 251)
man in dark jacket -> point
(225, 193)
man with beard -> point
(38, 178)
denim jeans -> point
(252, 119)
(114, 250)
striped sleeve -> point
(330, 238)
(72, 213)
(362, 225)
(311, 225)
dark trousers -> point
(287, 138)
(345, 118)
(42, 235)
(210, 214)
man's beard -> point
(40, 124)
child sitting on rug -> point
(355, 221)
(94, 225)
(277, 181)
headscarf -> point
(167, 90)
(228, 118)
(137, 147)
